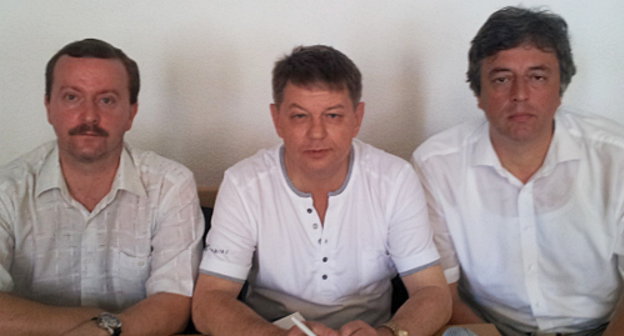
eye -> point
(297, 116)
(333, 115)
(108, 100)
(70, 97)
(500, 80)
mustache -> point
(88, 129)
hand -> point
(318, 328)
(359, 328)
(86, 328)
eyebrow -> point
(541, 67)
(334, 107)
(74, 88)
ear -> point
(46, 102)
(359, 116)
(275, 116)
(134, 108)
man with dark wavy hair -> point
(527, 204)
(320, 224)
(96, 237)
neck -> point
(522, 159)
(89, 182)
(319, 185)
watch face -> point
(109, 320)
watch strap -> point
(396, 331)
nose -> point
(91, 113)
(317, 128)
(519, 90)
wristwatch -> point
(110, 322)
(396, 331)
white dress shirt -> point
(142, 238)
(547, 253)
(267, 231)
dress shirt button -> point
(319, 241)
(324, 259)
(315, 226)
(325, 241)
(309, 210)
(324, 276)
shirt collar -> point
(128, 175)
(304, 194)
(483, 151)
(50, 176)
(562, 148)
(127, 178)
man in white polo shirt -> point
(320, 224)
(528, 203)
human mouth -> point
(88, 130)
(316, 152)
(521, 117)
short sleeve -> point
(177, 241)
(7, 244)
(442, 236)
(410, 235)
(231, 241)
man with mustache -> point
(321, 223)
(96, 237)
(528, 204)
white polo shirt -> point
(544, 253)
(266, 231)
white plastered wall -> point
(206, 66)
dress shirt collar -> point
(50, 176)
(127, 178)
(562, 148)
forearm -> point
(616, 325)
(462, 313)
(24, 317)
(217, 313)
(159, 314)
(425, 312)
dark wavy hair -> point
(318, 64)
(96, 49)
(511, 27)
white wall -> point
(205, 66)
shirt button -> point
(324, 259)
(324, 276)
(309, 210)
(315, 226)
(319, 241)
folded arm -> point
(462, 313)
(216, 310)
(617, 320)
(24, 317)
(428, 307)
